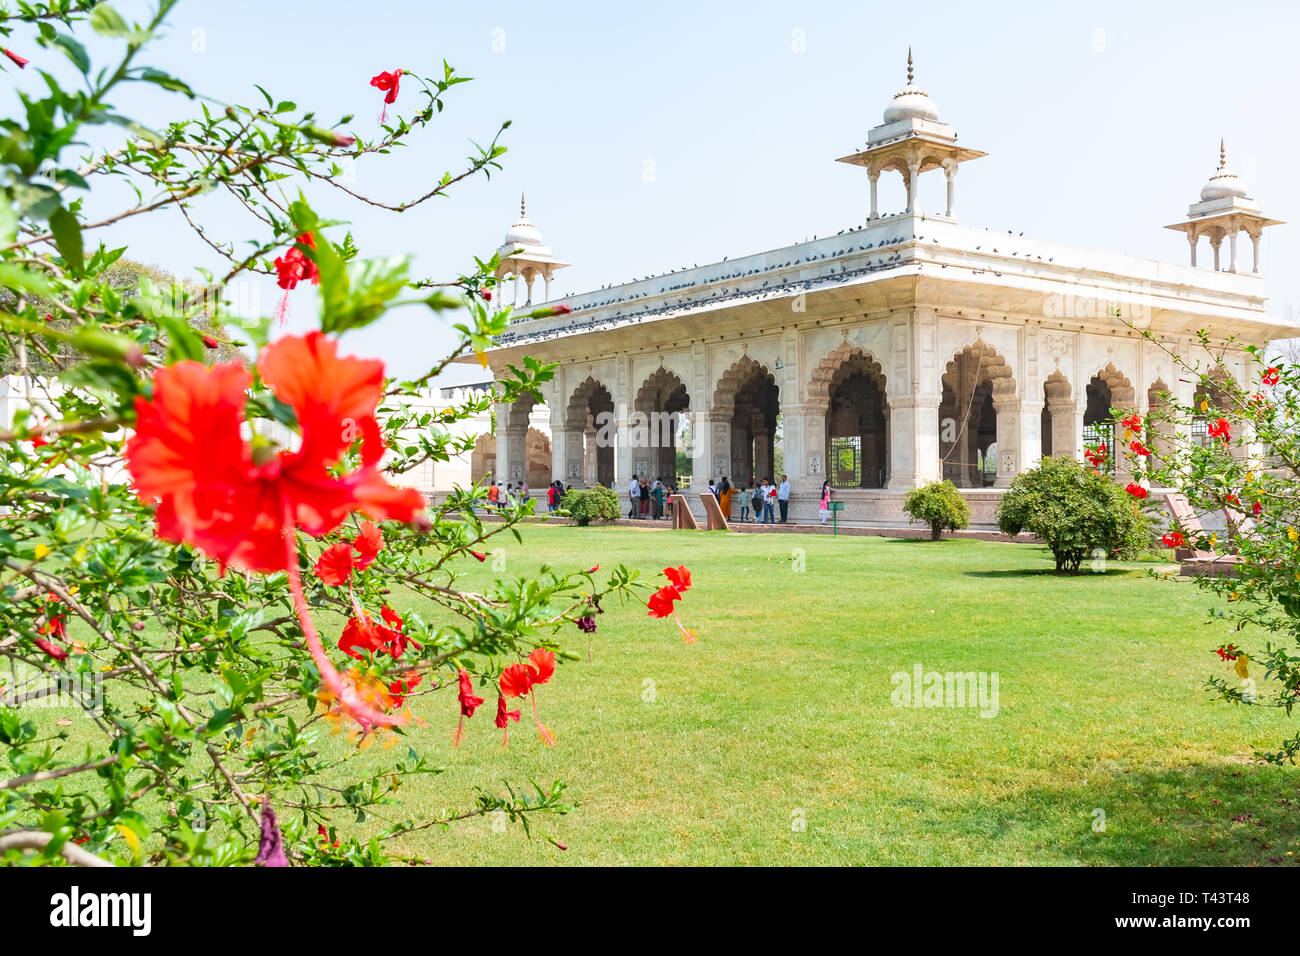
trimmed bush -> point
(1076, 511)
(940, 505)
(586, 505)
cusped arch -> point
(581, 399)
(989, 362)
(838, 365)
(1158, 394)
(658, 389)
(1121, 389)
(1057, 389)
(744, 373)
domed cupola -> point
(911, 102)
(1224, 211)
(1224, 184)
(524, 255)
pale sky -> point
(653, 136)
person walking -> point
(657, 494)
(494, 495)
(524, 495)
(783, 498)
(724, 497)
(824, 509)
(633, 498)
(744, 504)
(550, 497)
(756, 503)
(645, 498)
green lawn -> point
(782, 713)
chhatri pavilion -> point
(909, 349)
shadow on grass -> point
(1051, 573)
(1230, 814)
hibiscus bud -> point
(479, 555)
(327, 136)
(19, 61)
(107, 345)
(138, 626)
(549, 311)
(210, 342)
(486, 294)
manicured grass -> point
(783, 712)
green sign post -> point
(836, 508)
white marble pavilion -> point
(905, 350)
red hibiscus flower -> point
(293, 267)
(1232, 500)
(388, 83)
(469, 702)
(367, 544)
(211, 342)
(188, 454)
(504, 716)
(398, 639)
(679, 577)
(399, 688)
(19, 61)
(518, 679)
(1136, 490)
(1133, 422)
(1221, 429)
(1228, 652)
(1256, 508)
(1173, 539)
(1096, 456)
(1139, 449)
(1271, 375)
(478, 556)
(334, 566)
(515, 681)
(661, 602)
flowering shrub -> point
(1077, 511)
(226, 595)
(940, 505)
(1228, 440)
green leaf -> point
(67, 236)
(75, 51)
(166, 81)
(107, 22)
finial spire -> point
(909, 64)
(1223, 154)
(521, 207)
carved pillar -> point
(873, 175)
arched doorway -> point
(655, 424)
(1108, 389)
(849, 386)
(747, 400)
(590, 425)
(483, 459)
(1057, 426)
(973, 384)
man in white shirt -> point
(766, 491)
(634, 498)
(783, 498)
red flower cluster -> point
(1138, 448)
(519, 679)
(362, 634)
(1271, 375)
(54, 627)
(1136, 490)
(1097, 456)
(1133, 423)
(661, 603)
(1221, 429)
(293, 267)
(1228, 652)
(399, 688)
(338, 561)
(1173, 539)
(242, 507)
